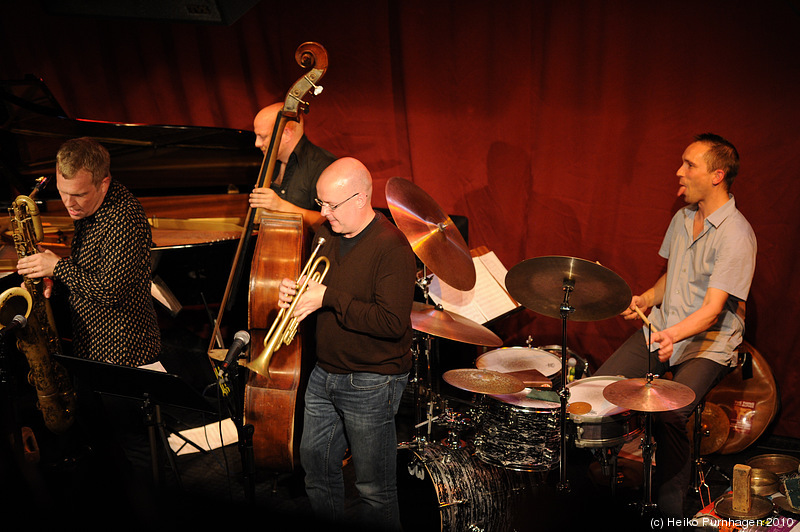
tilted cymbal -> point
(645, 395)
(438, 322)
(714, 428)
(483, 381)
(432, 234)
(596, 293)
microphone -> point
(240, 342)
(18, 322)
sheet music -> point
(487, 300)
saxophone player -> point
(107, 274)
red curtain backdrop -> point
(555, 126)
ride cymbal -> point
(597, 293)
(645, 395)
(439, 322)
(483, 381)
(432, 234)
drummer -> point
(697, 320)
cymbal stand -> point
(565, 310)
(648, 446)
(420, 439)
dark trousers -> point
(673, 453)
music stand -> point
(152, 388)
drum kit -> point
(528, 398)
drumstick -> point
(644, 318)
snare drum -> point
(509, 359)
(606, 424)
(447, 489)
(519, 433)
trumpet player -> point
(363, 337)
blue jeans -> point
(354, 410)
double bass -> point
(273, 403)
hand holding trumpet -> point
(310, 301)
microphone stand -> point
(228, 386)
(565, 309)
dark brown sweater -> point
(364, 324)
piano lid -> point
(150, 159)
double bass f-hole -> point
(309, 55)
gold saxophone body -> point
(38, 339)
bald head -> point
(264, 124)
(345, 188)
(348, 175)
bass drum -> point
(749, 397)
(447, 489)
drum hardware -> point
(416, 382)
(607, 458)
(590, 292)
(648, 395)
(708, 429)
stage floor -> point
(209, 489)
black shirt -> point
(299, 183)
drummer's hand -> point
(665, 340)
(265, 198)
(310, 300)
(630, 312)
(287, 291)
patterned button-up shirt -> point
(108, 279)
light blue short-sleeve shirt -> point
(723, 256)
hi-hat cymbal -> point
(596, 293)
(483, 381)
(438, 322)
(645, 395)
(431, 233)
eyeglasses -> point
(336, 206)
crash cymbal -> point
(439, 322)
(432, 234)
(483, 381)
(714, 428)
(645, 395)
(597, 292)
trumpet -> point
(284, 328)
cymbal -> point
(483, 381)
(597, 292)
(644, 395)
(444, 324)
(714, 428)
(432, 234)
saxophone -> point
(38, 338)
